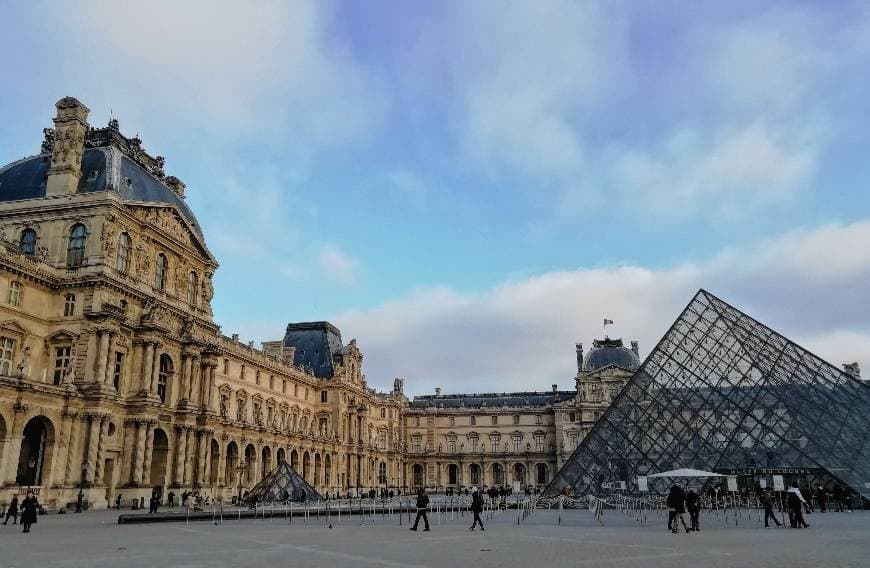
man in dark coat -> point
(676, 503)
(767, 503)
(29, 509)
(693, 505)
(12, 511)
(422, 506)
(476, 508)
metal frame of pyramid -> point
(722, 391)
(272, 488)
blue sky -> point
(469, 187)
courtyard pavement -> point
(94, 539)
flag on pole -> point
(608, 322)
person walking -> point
(422, 506)
(118, 502)
(767, 503)
(838, 497)
(12, 511)
(676, 503)
(476, 508)
(693, 504)
(795, 506)
(822, 498)
(29, 509)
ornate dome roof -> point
(606, 352)
(110, 162)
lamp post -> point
(240, 468)
(81, 494)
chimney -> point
(70, 128)
(437, 391)
(853, 369)
(634, 347)
(555, 389)
(235, 337)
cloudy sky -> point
(470, 187)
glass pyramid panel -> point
(722, 391)
(282, 484)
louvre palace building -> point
(115, 379)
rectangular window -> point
(496, 442)
(69, 305)
(473, 444)
(271, 382)
(383, 413)
(296, 391)
(382, 440)
(257, 377)
(242, 373)
(61, 362)
(572, 417)
(415, 444)
(416, 421)
(451, 446)
(119, 366)
(306, 393)
(517, 443)
(14, 296)
(494, 420)
(6, 347)
(572, 441)
(226, 366)
(452, 420)
(474, 420)
(324, 396)
(284, 387)
(538, 419)
(539, 442)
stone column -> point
(102, 355)
(180, 449)
(209, 402)
(110, 359)
(195, 380)
(184, 395)
(135, 365)
(93, 446)
(155, 370)
(101, 450)
(138, 470)
(148, 456)
(190, 455)
(202, 466)
(147, 364)
(73, 456)
(222, 466)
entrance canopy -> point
(686, 472)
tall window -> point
(383, 412)
(160, 272)
(7, 345)
(495, 439)
(539, 442)
(494, 420)
(518, 442)
(538, 419)
(75, 250)
(452, 420)
(324, 396)
(451, 446)
(571, 417)
(192, 288)
(13, 298)
(28, 241)
(119, 366)
(242, 373)
(415, 441)
(474, 420)
(69, 305)
(473, 440)
(163, 376)
(382, 440)
(516, 418)
(123, 262)
(572, 441)
(61, 363)
(382, 473)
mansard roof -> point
(316, 342)
(492, 400)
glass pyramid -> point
(722, 392)
(282, 484)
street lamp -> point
(240, 468)
(81, 494)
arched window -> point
(13, 298)
(163, 376)
(160, 272)
(192, 288)
(28, 241)
(516, 418)
(123, 263)
(75, 251)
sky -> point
(468, 188)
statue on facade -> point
(240, 412)
(23, 366)
(225, 407)
(258, 416)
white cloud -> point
(338, 266)
(520, 335)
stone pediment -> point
(166, 220)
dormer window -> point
(69, 305)
(28, 242)
(128, 182)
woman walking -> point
(29, 509)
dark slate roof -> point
(606, 352)
(492, 400)
(103, 168)
(315, 342)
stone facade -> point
(114, 378)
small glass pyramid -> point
(282, 484)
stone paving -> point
(94, 539)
